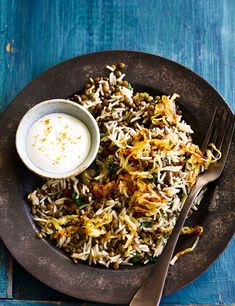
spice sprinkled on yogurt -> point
(58, 142)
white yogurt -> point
(58, 143)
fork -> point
(220, 133)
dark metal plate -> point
(151, 73)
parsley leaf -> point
(135, 259)
(129, 86)
(155, 179)
(166, 235)
(151, 259)
(78, 201)
(90, 95)
(157, 99)
(111, 167)
(144, 223)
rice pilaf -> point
(122, 209)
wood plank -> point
(29, 288)
(15, 51)
(38, 303)
(216, 286)
(51, 303)
(6, 272)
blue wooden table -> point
(35, 35)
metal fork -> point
(220, 133)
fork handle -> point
(151, 290)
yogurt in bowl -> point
(57, 138)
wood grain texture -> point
(39, 303)
(6, 273)
(54, 303)
(36, 34)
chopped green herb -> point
(166, 235)
(157, 99)
(144, 223)
(155, 179)
(90, 95)
(129, 86)
(151, 259)
(111, 167)
(78, 201)
(163, 213)
(135, 259)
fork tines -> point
(220, 131)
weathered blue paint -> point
(39, 303)
(55, 303)
(34, 35)
(6, 273)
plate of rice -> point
(96, 236)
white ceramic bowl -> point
(57, 106)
